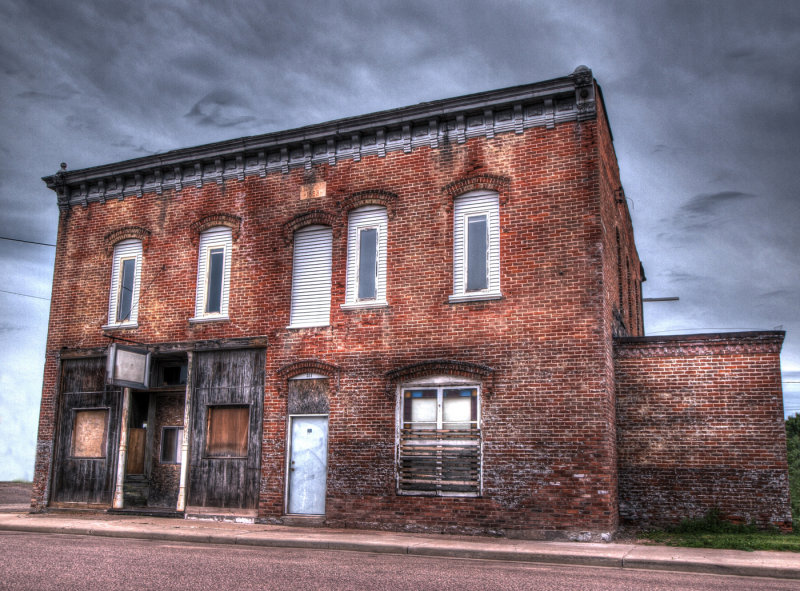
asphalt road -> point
(64, 562)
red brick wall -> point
(700, 426)
(549, 460)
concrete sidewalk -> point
(621, 555)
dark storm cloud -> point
(711, 203)
(221, 108)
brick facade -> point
(542, 355)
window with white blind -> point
(366, 257)
(213, 275)
(476, 247)
(311, 277)
(126, 275)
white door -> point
(308, 465)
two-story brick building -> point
(427, 318)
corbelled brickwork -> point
(700, 427)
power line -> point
(25, 295)
(27, 242)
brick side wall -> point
(700, 426)
(548, 435)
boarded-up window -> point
(226, 431)
(308, 395)
(171, 441)
(440, 442)
(89, 433)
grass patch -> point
(714, 532)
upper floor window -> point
(213, 274)
(311, 277)
(366, 257)
(476, 246)
(126, 271)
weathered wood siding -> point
(86, 480)
(221, 378)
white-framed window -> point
(213, 275)
(476, 246)
(311, 277)
(366, 257)
(439, 442)
(126, 276)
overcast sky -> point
(702, 97)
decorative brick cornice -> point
(120, 234)
(218, 219)
(742, 343)
(432, 124)
(309, 218)
(441, 367)
(489, 182)
(380, 197)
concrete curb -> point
(783, 565)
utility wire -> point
(27, 241)
(25, 295)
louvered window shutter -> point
(311, 277)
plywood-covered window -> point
(227, 430)
(90, 433)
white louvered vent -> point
(311, 277)
(360, 219)
(126, 249)
(468, 206)
(213, 238)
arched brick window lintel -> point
(120, 234)
(441, 367)
(217, 219)
(309, 218)
(486, 182)
(288, 371)
(379, 197)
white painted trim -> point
(125, 249)
(468, 205)
(216, 237)
(370, 216)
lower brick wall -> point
(700, 427)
